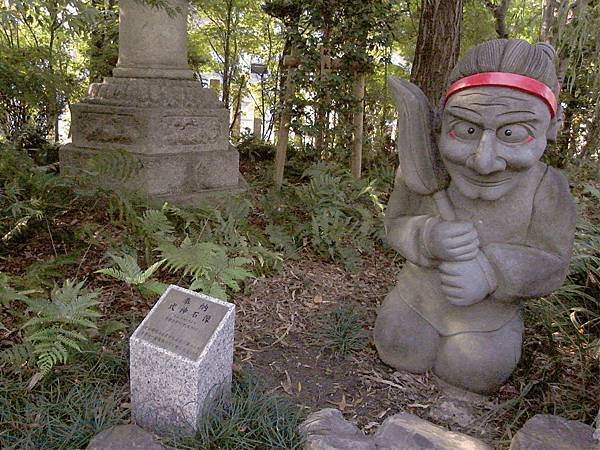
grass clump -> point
(253, 419)
(68, 407)
(343, 330)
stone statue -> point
(482, 223)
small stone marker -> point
(181, 359)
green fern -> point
(130, 272)
(59, 325)
(43, 273)
(208, 264)
(191, 258)
(7, 293)
(17, 356)
(156, 225)
(29, 194)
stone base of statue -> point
(174, 133)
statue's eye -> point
(513, 134)
(466, 130)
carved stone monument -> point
(482, 222)
(153, 109)
(181, 359)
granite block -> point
(181, 359)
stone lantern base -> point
(174, 133)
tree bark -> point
(549, 11)
(499, 12)
(227, 53)
(283, 134)
(438, 46)
(358, 124)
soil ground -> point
(279, 324)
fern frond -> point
(129, 271)
(8, 294)
(117, 165)
(156, 225)
(17, 355)
(192, 258)
(154, 287)
(59, 325)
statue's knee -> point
(403, 339)
(480, 362)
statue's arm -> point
(407, 218)
(540, 265)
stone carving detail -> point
(109, 128)
(482, 223)
(147, 93)
(191, 130)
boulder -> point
(548, 432)
(405, 430)
(328, 430)
(125, 437)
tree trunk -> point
(358, 124)
(499, 12)
(549, 11)
(285, 119)
(438, 45)
(227, 53)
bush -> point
(338, 216)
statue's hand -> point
(464, 282)
(452, 241)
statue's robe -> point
(527, 236)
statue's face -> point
(490, 137)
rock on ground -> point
(404, 430)
(328, 430)
(124, 437)
(548, 432)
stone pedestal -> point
(152, 109)
(181, 359)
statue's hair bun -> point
(547, 49)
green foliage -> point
(210, 268)
(342, 330)
(340, 217)
(39, 73)
(44, 273)
(29, 195)
(252, 419)
(229, 225)
(157, 226)
(57, 328)
(254, 149)
(129, 271)
(7, 293)
(573, 311)
(70, 406)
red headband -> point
(512, 80)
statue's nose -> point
(485, 160)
